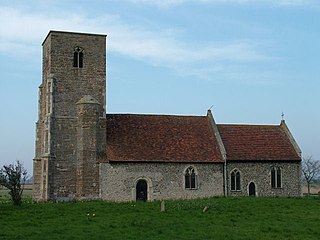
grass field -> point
(4, 192)
(225, 218)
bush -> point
(13, 177)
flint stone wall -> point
(165, 180)
(260, 174)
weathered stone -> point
(260, 174)
(69, 135)
(163, 206)
(165, 180)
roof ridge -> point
(151, 114)
(247, 125)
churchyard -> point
(212, 218)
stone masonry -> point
(260, 174)
(70, 130)
(84, 153)
(165, 180)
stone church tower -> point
(71, 129)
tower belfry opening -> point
(78, 57)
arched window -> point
(190, 178)
(276, 177)
(235, 180)
(78, 57)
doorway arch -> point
(142, 190)
(252, 189)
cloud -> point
(296, 2)
(25, 31)
(170, 3)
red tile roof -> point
(257, 142)
(133, 137)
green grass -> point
(4, 193)
(226, 218)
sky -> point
(247, 60)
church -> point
(84, 153)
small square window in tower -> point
(78, 57)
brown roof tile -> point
(133, 137)
(257, 142)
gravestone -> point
(163, 206)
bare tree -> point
(13, 177)
(310, 170)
